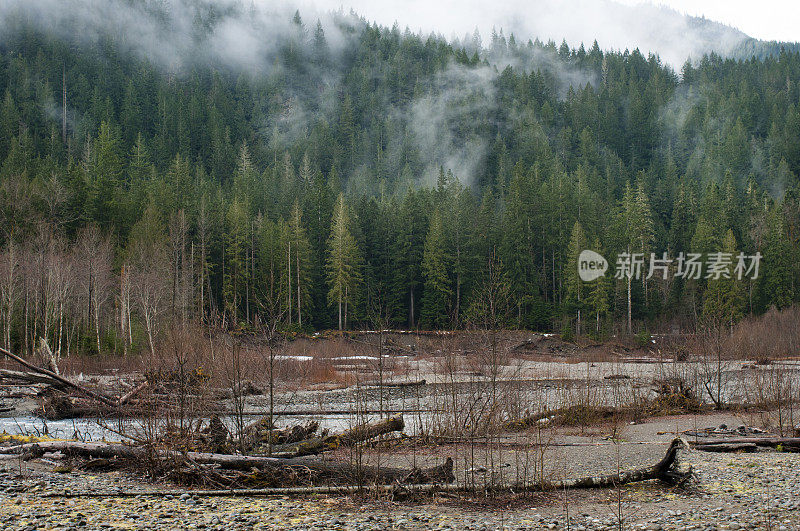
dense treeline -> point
(391, 180)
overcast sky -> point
(576, 20)
(771, 20)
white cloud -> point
(615, 24)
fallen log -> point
(669, 470)
(56, 406)
(59, 407)
(335, 470)
(29, 378)
(88, 392)
(366, 431)
(728, 447)
(789, 444)
(353, 436)
(313, 446)
(124, 399)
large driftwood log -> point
(367, 431)
(728, 447)
(58, 406)
(29, 378)
(355, 435)
(313, 446)
(669, 470)
(127, 397)
(789, 444)
(335, 470)
(324, 443)
(88, 392)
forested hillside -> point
(337, 174)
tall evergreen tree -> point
(343, 261)
(435, 266)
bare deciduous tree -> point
(9, 289)
(94, 256)
(149, 265)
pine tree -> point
(597, 298)
(776, 286)
(342, 264)
(105, 173)
(724, 299)
(408, 253)
(300, 258)
(236, 275)
(435, 267)
(575, 286)
(638, 224)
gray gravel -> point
(748, 491)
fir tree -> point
(342, 264)
(435, 267)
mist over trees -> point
(441, 184)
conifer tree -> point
(597, 298)
(235, 276)
(435, 267)
(723, 301)
(342, 264)
(576, 289)
(300, 261)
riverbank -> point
(732, 491)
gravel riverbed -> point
(747, 491)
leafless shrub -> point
(771, 336)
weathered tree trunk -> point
(327, 469)
(313, 446)
(259, 435)
(97, 396)
(364, 432)
(355, 435)
(29, 378)
(728, 447)
(789, 444)
(668, 470)
(124, 399)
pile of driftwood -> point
(269, 456)
(302, 440)
(291, 464)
